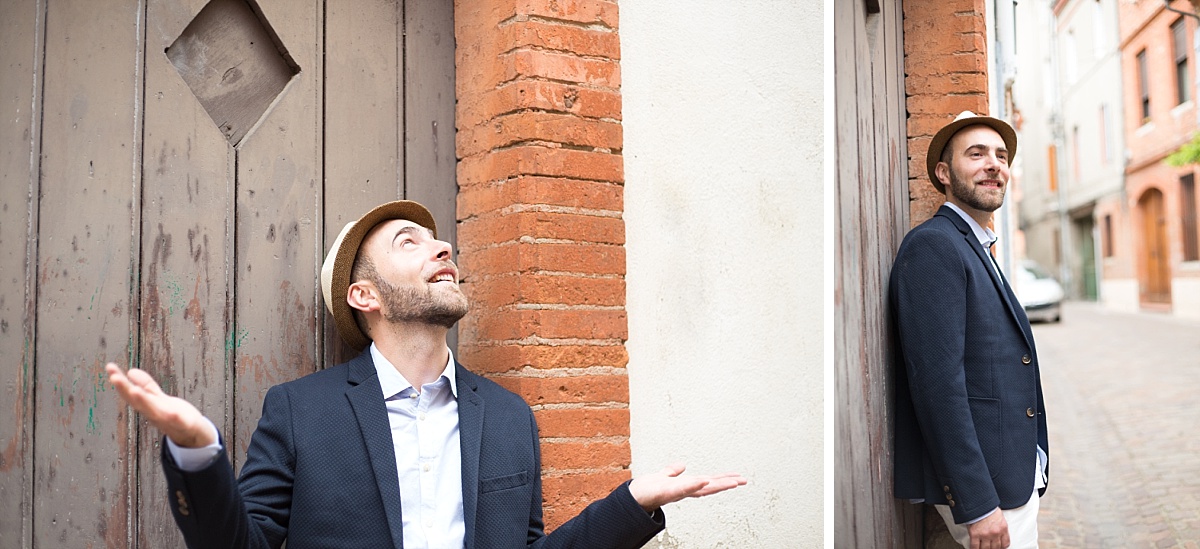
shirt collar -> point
(393, 383)
(984, 234)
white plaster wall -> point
(1185, 295)
(1120, 294)
(723, 116)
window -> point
(1052, 156)
(1099, 42)
(1143, 86)
(1106, 146)
(1108, 236)
(1076, 166)
(1187, 195)
(1179, 42)
(1072, 58)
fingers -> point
(673, 470)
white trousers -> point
(1022, 525)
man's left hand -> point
(670, 485)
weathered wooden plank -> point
(20, 98)
(871, 219)
(186, 174)
(429, 154)
(363, 124)
(87, 228)
(278, 229)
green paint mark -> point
(91, 426)
(176, 297)
(236, 339)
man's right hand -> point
(989, 533)
(173, 416)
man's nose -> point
(441, 249)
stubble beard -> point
(422, 304)
(973, 196)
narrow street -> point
(1123, 404)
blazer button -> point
(946, 489)
(1026, 360)
(950, 503)
(1029, 412)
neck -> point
(418, 351)
(981, 217)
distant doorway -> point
(1154, 276)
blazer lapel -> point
(1006, 295)
(366, 398)
(470, 436)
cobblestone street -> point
(1123, 404)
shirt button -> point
(1029, 412)
(413, 396)
(429, 524)
(1026, 360)
(421, 416)
(425, 467)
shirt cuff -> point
(190, 460)
(988, 514)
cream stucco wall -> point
(723, 117)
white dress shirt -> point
(428, 457)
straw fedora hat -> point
(335, 272)
(964, 119)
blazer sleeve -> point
(930, 293)
(213, 510)
(615, 522)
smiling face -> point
(411, 274)
(977, 174)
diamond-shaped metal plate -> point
(234, 63)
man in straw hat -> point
(970, 424)
(401, 446)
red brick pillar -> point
(945, 67)
(541, 235)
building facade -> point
(1151, 257)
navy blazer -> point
(969, 413)
(321, 472)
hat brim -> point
(944, 135)
(335, 271)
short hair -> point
(363, 268)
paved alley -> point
(1123, 404)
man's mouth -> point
(444, 275)
(994, 183)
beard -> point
(974, 196)
(422, 304)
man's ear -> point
(363, 296)
(942, 170)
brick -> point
(518, 95)
(556, 36)
(526, 257)
(510, 324)
(585, 454)
(588, 12)
(925, 63)
(585, 389)
(539, 160)
(487, 358)
(566, 129)
(506, 290)
(530, 190)
(916, 85)
(510, 226)
(582, 422)
(949, 102)
(562, 67)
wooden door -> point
(1154, 270)
(151, 217)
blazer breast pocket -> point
(505, 482)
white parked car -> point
(1039, 293)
